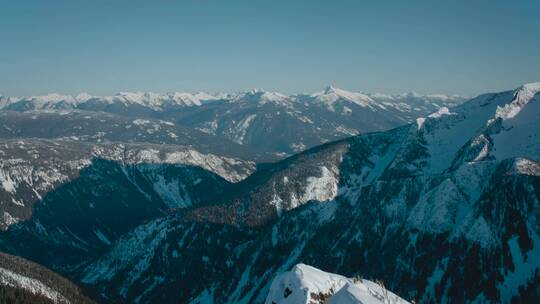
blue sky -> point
(102, 47)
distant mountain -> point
(101, 127)
(127, 100)
(264, 121)
(22, 282)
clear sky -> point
(106, 46)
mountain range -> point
(439, 204)
(265, 122)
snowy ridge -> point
(34, 286)
(158, 101)
(259, 96)
(330, 95)
(407, 102)
(523, 95)
(221, 165)
(306, 285)
(152, 100)
(514, 130)
(29, 169)
(314, 177)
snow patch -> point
(527, 167)
(347, 131)
(323, 188)
(7, 183)
(420, 122)
(439, 113)
(241, 128)
(481, 140)
(297, 147)
(8, 219)
(141, 122)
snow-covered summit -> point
(331, 95)
(81, 97)
(259, 96)
(306, 284)
(158, 101)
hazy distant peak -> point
(332, 94)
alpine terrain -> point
(439, 204)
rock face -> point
(259, 120)
(308, 285)
(445, 209)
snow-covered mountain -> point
(32, 168)
(308, 285)
(264, 121)
(100, 127)
(162, 102)
(441, 210)
(154, 101)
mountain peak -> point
(255, 91)
(522, 96)
(262, 96)
(83, 96)
(332, 94)
(329, 89)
